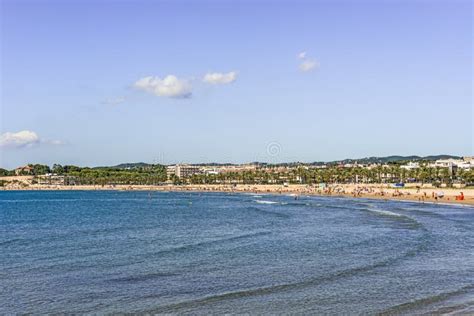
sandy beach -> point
(373, 191)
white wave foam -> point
(383, 212)
(265, 202)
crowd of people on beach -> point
(347, 190)
(330, 190)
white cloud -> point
(308, 65)
(170, 86)
(114, 101)
(220, 78)
(54, 142)
(24, 139)
(19, 139)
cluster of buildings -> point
(466, 163)
(186, 170)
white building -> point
(465, 163)
(411, 165)
(211, 171)
(182, 171)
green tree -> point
(40, 169)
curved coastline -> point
(379, 192)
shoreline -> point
(335, 190)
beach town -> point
(437, 181)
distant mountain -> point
(391, 159)
(441, 157)
(133, 165)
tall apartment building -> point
(182, 171)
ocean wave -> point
(266, 202)
(339, 207)
(421, 212)
(142, 257)
(143, 277)
(259, 210)
(466, 308)
(171, 308)
(300, 204)
(50, 239)
(427, 301)
(402, 218)
(14, 241)
(384, 212)
(211, 242)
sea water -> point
(199, 253)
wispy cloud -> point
(307, 64)
(23, 139)
(220, 78)
(170, 86)
(53, 142)
(114, 101)
(302, 55)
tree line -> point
(148, 175)
(156, 174)
(302, 175)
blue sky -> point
(105, 82)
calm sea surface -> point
(200, 253)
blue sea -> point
(199, 253)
